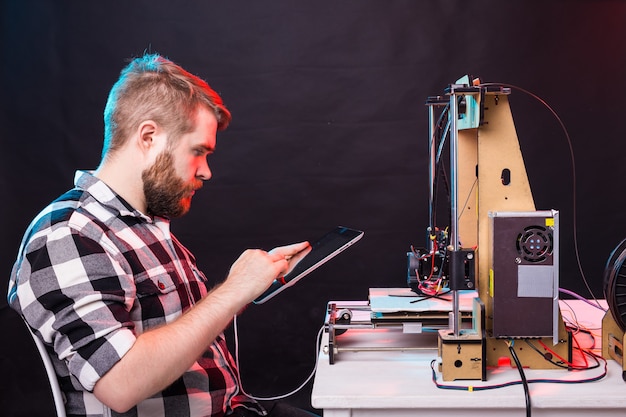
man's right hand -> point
(255, 269)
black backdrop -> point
(330, 127)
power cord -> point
(518, 364)
(278, 397)
(526, 382)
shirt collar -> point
(85, 180)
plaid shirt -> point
(92, 273)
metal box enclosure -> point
(524, 273)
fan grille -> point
(535, 244)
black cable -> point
(573, 160)
(597, 359)
(428, 297)
(512, 383)
(440, 133)
(523, 376)
(440, 176)
(536, 349)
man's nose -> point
(204, 172)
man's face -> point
(167, 195)
(170, 183)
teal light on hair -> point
(152, 87)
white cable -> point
(278, 397)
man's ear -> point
(148, 137)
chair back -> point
(57, 394)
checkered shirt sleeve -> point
(91, 275)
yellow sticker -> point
(490, 282)
(550, 222)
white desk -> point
(399, 383)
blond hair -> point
(152, 87)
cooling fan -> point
(534, 244)
(615, 284)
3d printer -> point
(493, 242)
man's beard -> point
(166, 193)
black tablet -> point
(322, 250)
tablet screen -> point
(322, 250)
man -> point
(118, 301)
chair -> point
(57, 394)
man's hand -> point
(254, 270)
(292, 258)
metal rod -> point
(352, 326)
(432, 154)
(381, 348)
(454, 190)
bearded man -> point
(119, 302)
